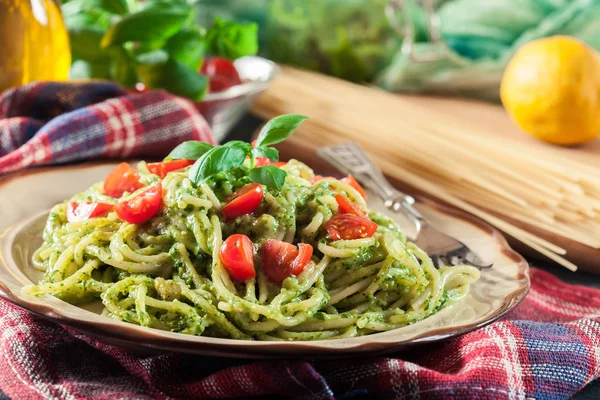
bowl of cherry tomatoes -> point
(233, 86)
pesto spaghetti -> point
(250, 250)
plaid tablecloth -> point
(547, 348)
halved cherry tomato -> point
(262, 161)
(221, 67)
(163, 168)
(238, 258)
(122, 179)
(354, 183)
(348, 207)
(142, 206)
(316, 179)
(348, 227)
(243, 201)
(281, 259)
(254, 142)
(84, 210)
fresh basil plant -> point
(154, 42)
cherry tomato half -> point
(221, 67)
(122, 179)
(262, 161)
(163, 168)
(238, 258)
(354, 183)
(348, 227)
(142, 206)
(281, 259)
(84, 210)
(348, 207)
(243, 201)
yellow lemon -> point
(551, 88)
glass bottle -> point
(34, 43)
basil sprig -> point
(211, 160)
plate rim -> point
(128, 335)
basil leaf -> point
(149, 24)
(85, 33)
(278, 129)
(85, 43)
(266, 152)
(247, 147)
(153, 57)
(190, 150)
(269, 175)
(188, 47)
(217, 159)
(175, 77)
(231, 39)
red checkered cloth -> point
(547, 348)
(54, 123)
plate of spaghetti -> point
(225, 250)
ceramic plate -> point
(26, 198)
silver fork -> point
(350, 159)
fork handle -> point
(350, 159)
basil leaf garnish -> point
(278, 129)
(266, 152)
(217, 159)
(269, 175)
(190, 150)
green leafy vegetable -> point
(266, 152)
(153, 23)
(217, 159)
(174, 76)
(232, 40)
(269, 175)
(187, 47)
(278, 129)
(155, 42)
(190, 150)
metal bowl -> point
(222, 110)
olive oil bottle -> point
(34, 44)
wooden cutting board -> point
(496, 122)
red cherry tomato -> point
(218, 84)
(243, 201)
(221, 67)
(348, 227)
(262, 161)
(237, 257)
(316, 179)
(163, 168)
(254, 142)
(354, 183)
(282, 259)
(348, 207)
(122, 179)
(81, 211)
(142, 206)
